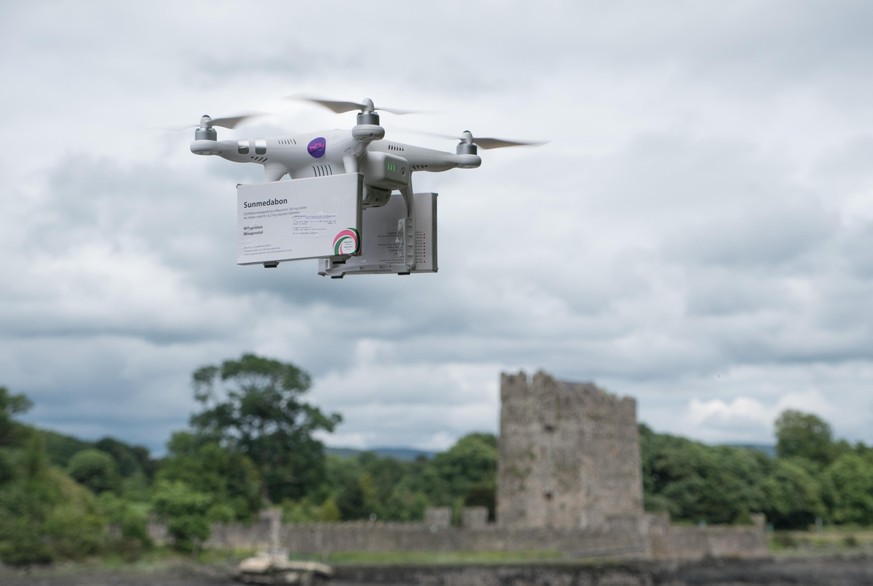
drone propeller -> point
(227, 121)
(205, 130)
(493, 143)
(340, 107)
(486, 143)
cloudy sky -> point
(697, 233)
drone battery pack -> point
(386, 171)
(317, 217)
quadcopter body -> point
(386, 165)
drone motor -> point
(467, 146)
(205, 130)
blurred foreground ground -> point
(830, 571)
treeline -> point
(253, 443)
(814, 479)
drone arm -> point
(213, 147)
(467, 161)
(424, 159)
(362, 135)
(273, 172)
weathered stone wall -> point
(682, 542)
(569, 455)
(654, 539)
(365, 536)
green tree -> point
(61, 448)
(848, 486)
(95, 470)
(464, 474)
(130, 537)
(793, 496)
(803, 435)
(25, 503)
(255, 405)
(185, 511)
(368, 484)
(352, 487)
(738, 473)
(74, 527)
(132, 461)
(44, 515)
(696, 482)
(393, 494)
(228, 476)
(329, 511)
(10, 406)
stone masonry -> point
(569, 456)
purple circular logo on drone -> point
(317, 146)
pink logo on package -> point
(348, 241)
(317, 147)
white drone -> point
(317, 154)
(385, 165)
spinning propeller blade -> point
(499, 143)
(207, 121)
(487, 142)
(232, 121)
(340, 107)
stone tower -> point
(569, 455)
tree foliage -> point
(185, 511)
(804, 435)
(96, 470)
(224, 473)
(848, 488)
(10, 406)
(370, 486)
(792, 495)
(465, 474)
(44, 514)
(700, 483)
(255, 405)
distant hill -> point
(764, 448)
(60, 448)
(405, 454)
(409, 454)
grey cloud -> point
(718, 291)
(857, 250)
(702, 209)
(767, 236)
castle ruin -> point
(569, 480)
(569, 455)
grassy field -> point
(443, 558)
(829, 541)
(821, 542)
